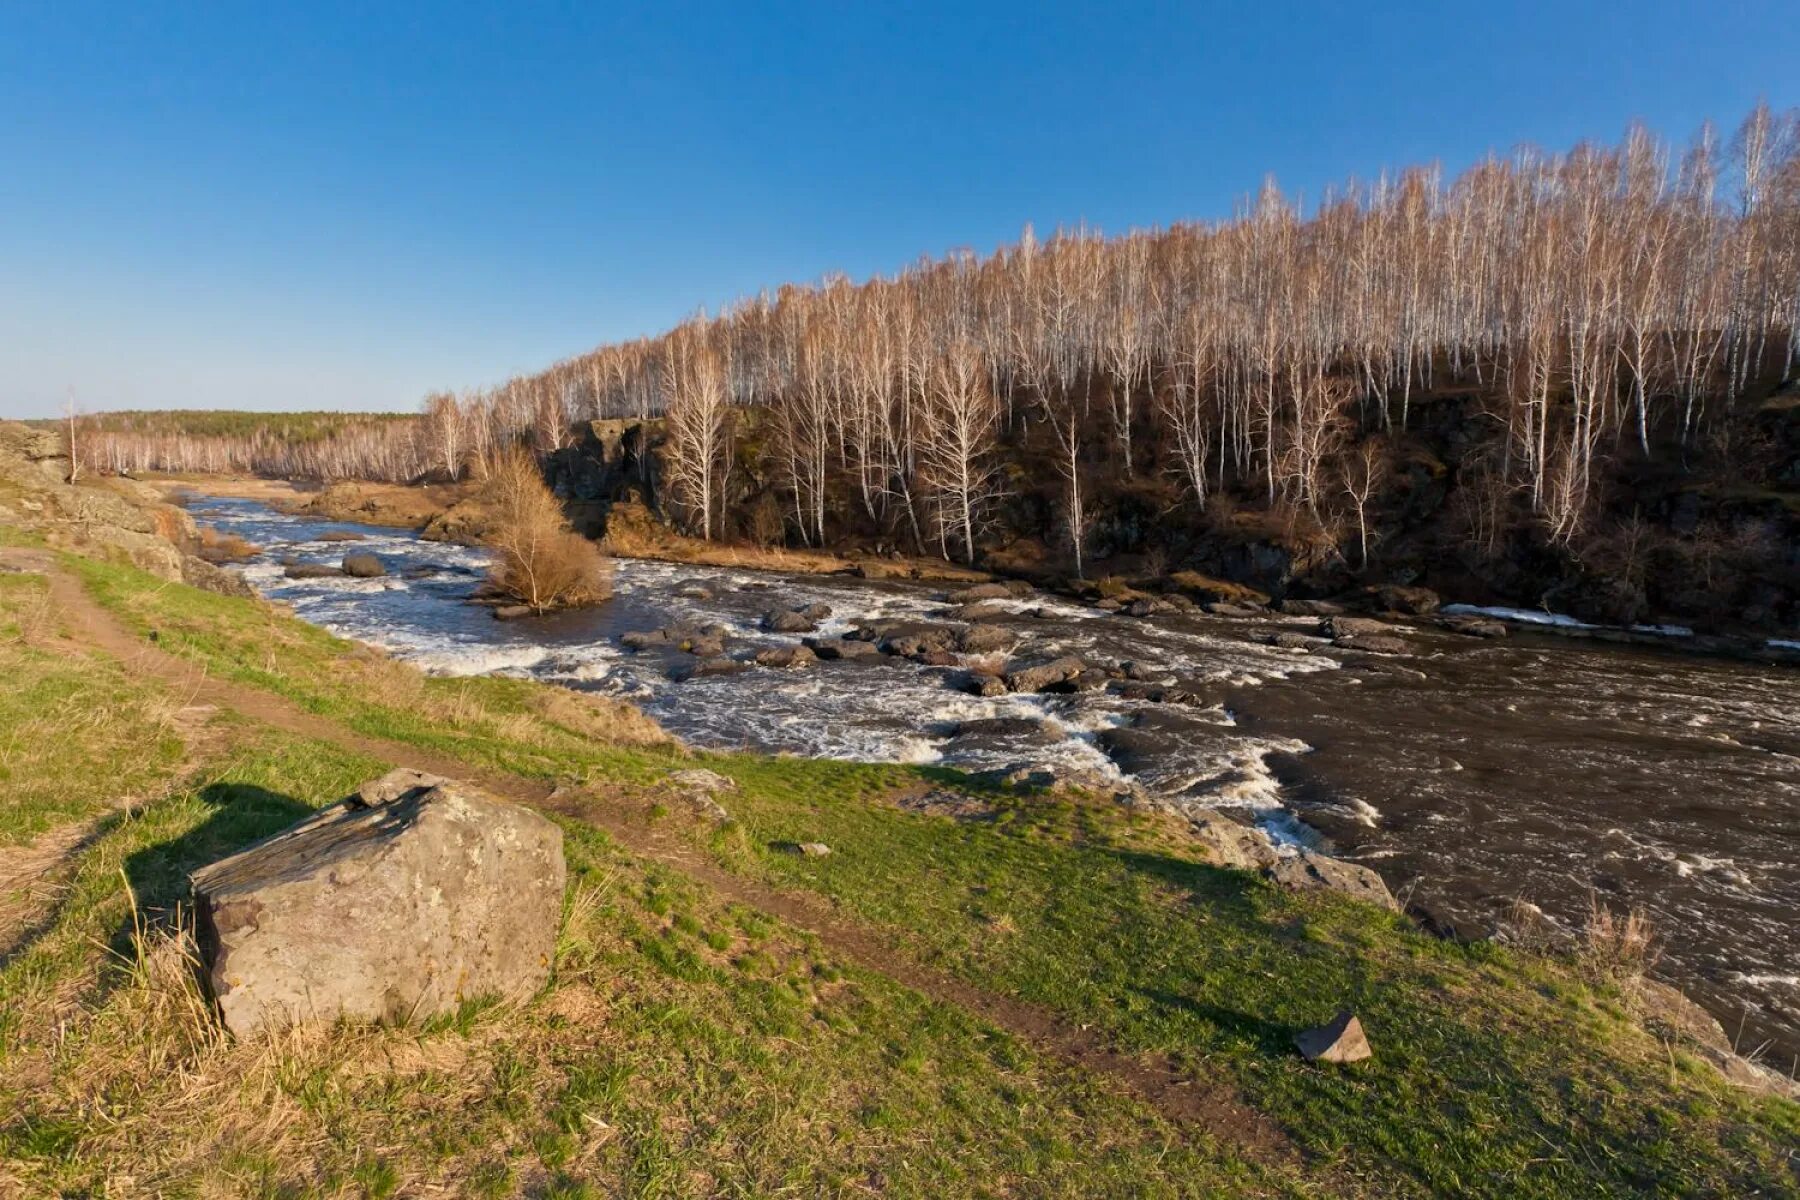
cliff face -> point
(112, 515)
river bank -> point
(1475, 773)
(1059, 988)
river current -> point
(1471, 773)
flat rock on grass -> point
(1307, 871)
(411, 896)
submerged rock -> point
(1373, 643)
(400, 902)
(310, 571)
(1472, 625)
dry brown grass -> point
(216, 547)
(539, 560)
(1618, 947)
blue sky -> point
(324, 207)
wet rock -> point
(1154, 693)
(1145, 606)
(988, 686)
(1287, 639)
(1309, 871)
(1341, 627)
(1092, 679)
(937, 658)
(511, 612)
(645, 639)
(980, 591)
(786, 657)
(1140, 671)
(1226, 608)
(398, 903)
(1111, 604)
(815, 611)
(846, 649)
(916, 639)
(311, 571)
(1373, 644)
(1472, 625)
(981, 610)
(1311, 608)
(1340, 1041)
(1413, 601)
(702, 645)
(985, 639)
(363, 566)
(694, 589)
(1032, 729)
(1045, 675)
(789, 621)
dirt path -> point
(1215, 1108)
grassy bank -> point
(690, 1046)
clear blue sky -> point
(326, 207)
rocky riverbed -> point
(1475, 762)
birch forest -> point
(1608, 306)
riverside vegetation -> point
(1045, 995)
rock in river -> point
(397, 903)
(363, 566)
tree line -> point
(1611, 300)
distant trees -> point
(1599, 300)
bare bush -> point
(1620, 948)
(538, 559)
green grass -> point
(76, 734)
(1495, 1073)
(685, 1048)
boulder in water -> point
(400, 902)
(363, 566)
(1045, 675)
(842, 648)
(789, 621)
(302, 570)
(785, 657)
(1342, 627)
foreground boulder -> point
(397, 903)
(363, 566)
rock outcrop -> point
(397, 903)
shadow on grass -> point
(1270, 1038)
(241, 815)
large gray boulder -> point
(397, 903)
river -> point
(1470, 773)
